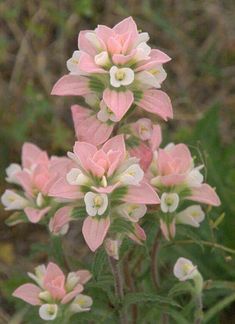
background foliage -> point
(36, 39)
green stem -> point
(57, 252)
(199, 309)
(118, 281)
(206, 243)
(154, 263)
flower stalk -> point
(118, 284)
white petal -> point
(129, 76)
(76, 177)
(11, 171)
(193, 215)
(148, 79)
(48, 312)
(169, 202)
(184, 269)
(113, 81)
(95, 203)
(72, 281)
(81, 303)
(132, 212)
(145, 48)
(102, 58)
(104, 205)
(133, 175)
(195, 178)
(93, 39)
(72, 63)
(39, 199)
(13, 201)
(142, 38)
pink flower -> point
(35, 177)
(119, 67)
(52, 288)
(150, 137)
(175, 169)
(101, 178)
(59, 223)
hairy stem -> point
(131, 286)
(199, 309)
(118, 281)
(154, 263)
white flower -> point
(112, 247)
(81, 303)
(105, 113)
(132, 176)
(169, 202)
(195, 178)
(153, 78)
(39, 274)
(193, 215)
(72, 63)
(142, 38)
(11, 171)
(121, 76)
(76, 177)
(95, 203)
(145, 129)
(48, 312)
(184, 269)
(133, 212)
(142, 51)
(12, 200)
(72, 281)
(102, 59)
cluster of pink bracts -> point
(111, 177)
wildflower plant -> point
(120, 183)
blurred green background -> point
(36, 39)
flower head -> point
(119, 67)
(102, 180)
(53, 290)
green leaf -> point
(79, 212)
(16, 218)
(177, 316)
(121, 225)
(210, 314)
(134, 298)
(100, 259)
(181, 288)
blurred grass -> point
(36, 39)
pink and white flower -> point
(53, 289)
(101, 179)
(34, 178)
(119, 67)
(174, 168)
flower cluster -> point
(33, 179)
(53, 290)
(117, 68)
(116, 171)
(110, 184)
(177, 179)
